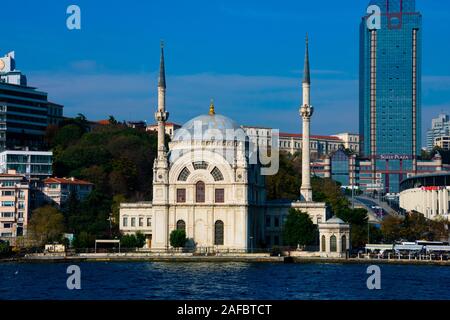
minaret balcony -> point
(161, 116)
(306, 111)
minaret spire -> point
(161, 115)
(306, 72)
(162, 69)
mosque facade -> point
(210, 183)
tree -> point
(5, 249)
(356, 216)
(67, 135)
(298, 229)
(136, 240)
(46, 224)
(391, 227)
(417, 227)
(286, 183)
(115, 207)
(140, 239)
(178, 238)
(83, 240)
(112, 120)
(328, 191)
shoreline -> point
(213, 259)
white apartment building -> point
(37, 164)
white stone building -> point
(334, 238)
(428, 194)
(209, 184)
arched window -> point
(184, 174)
(217, 175)
(200, 165)
(200, 192)
(333, 244)
(344, 243)
(181, 225)
(324, 244)
(218, 232)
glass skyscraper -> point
(390, 99)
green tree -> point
(115, 207)
(417, 227)
(328, 191)
(391, 228)
(68, 135)
(286, 183)
(112, 120)
(178, 238)
(140, 239)
(46, 224)
(298, 229)
(84, 240)
(5, 249)
(356, 216)
(128, 241)
(136, 240)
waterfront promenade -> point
(258, 258)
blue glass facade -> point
(390, 87)
(340, 167)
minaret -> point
(161, 115)
(161, 168)
(306, 111)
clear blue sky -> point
(247, 55)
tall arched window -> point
(333, 244)
(181, 225)
(200, 192)
(324, 244)
(218, 233)
(344, 243)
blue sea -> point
(212, 280)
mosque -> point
(210, 183)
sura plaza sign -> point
(394, 157)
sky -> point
(246, 55)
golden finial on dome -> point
(211, 108)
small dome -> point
(210, 127)
(335, 220)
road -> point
(368, 203)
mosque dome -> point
(335, 220)
(210, 126)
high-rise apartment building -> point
(24, 111)
(390, 93)
(439, 132)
